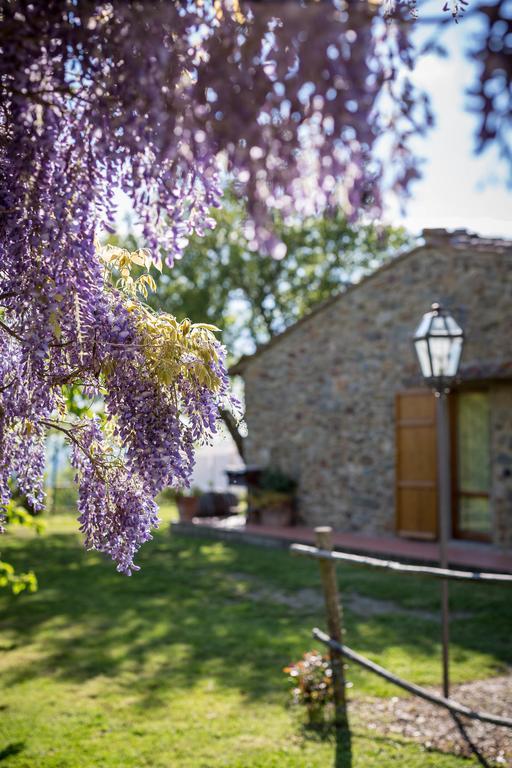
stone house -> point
(337, 400)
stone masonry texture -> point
(320, 399)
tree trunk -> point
(232, 427)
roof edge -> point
(433, 238)
(239, 367)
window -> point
(473, 470)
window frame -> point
(457, 531)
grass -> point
(180, 666)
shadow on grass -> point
(11, 749)
(339, 738)
(341, 741)
(183, 618)
(343, 753)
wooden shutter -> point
(416, 465)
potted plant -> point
(311, 678)
(273, 501)
(188, 504)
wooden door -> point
(416, 465)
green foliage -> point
(74, 402)
(172, 349)
(223, 280)
(9, 578)
(17, 582)
(121, 263)
(272, 479)
(185, 350)
(274, 488)
(16, 514)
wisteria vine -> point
(158, 100)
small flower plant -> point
(312, 684)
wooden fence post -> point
(323, 540)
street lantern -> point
(438, 343)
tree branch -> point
(232, 427)
(9, 330)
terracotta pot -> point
(188, 507)
(277, 516)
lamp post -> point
(438, 343)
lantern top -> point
(438, 342)
(438, 322)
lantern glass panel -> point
(438, 325)
(440, 348)
(424, 358)
(455, 355)
(453, 327)
(424, 326)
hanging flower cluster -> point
(161, 382)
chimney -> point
(437, 237)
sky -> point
(458, 189)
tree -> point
(222, 277)
(157, 99)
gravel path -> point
(435, 728)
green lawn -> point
(180, 665)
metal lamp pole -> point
(444, 518)
(438, 343)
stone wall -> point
(321, 398)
